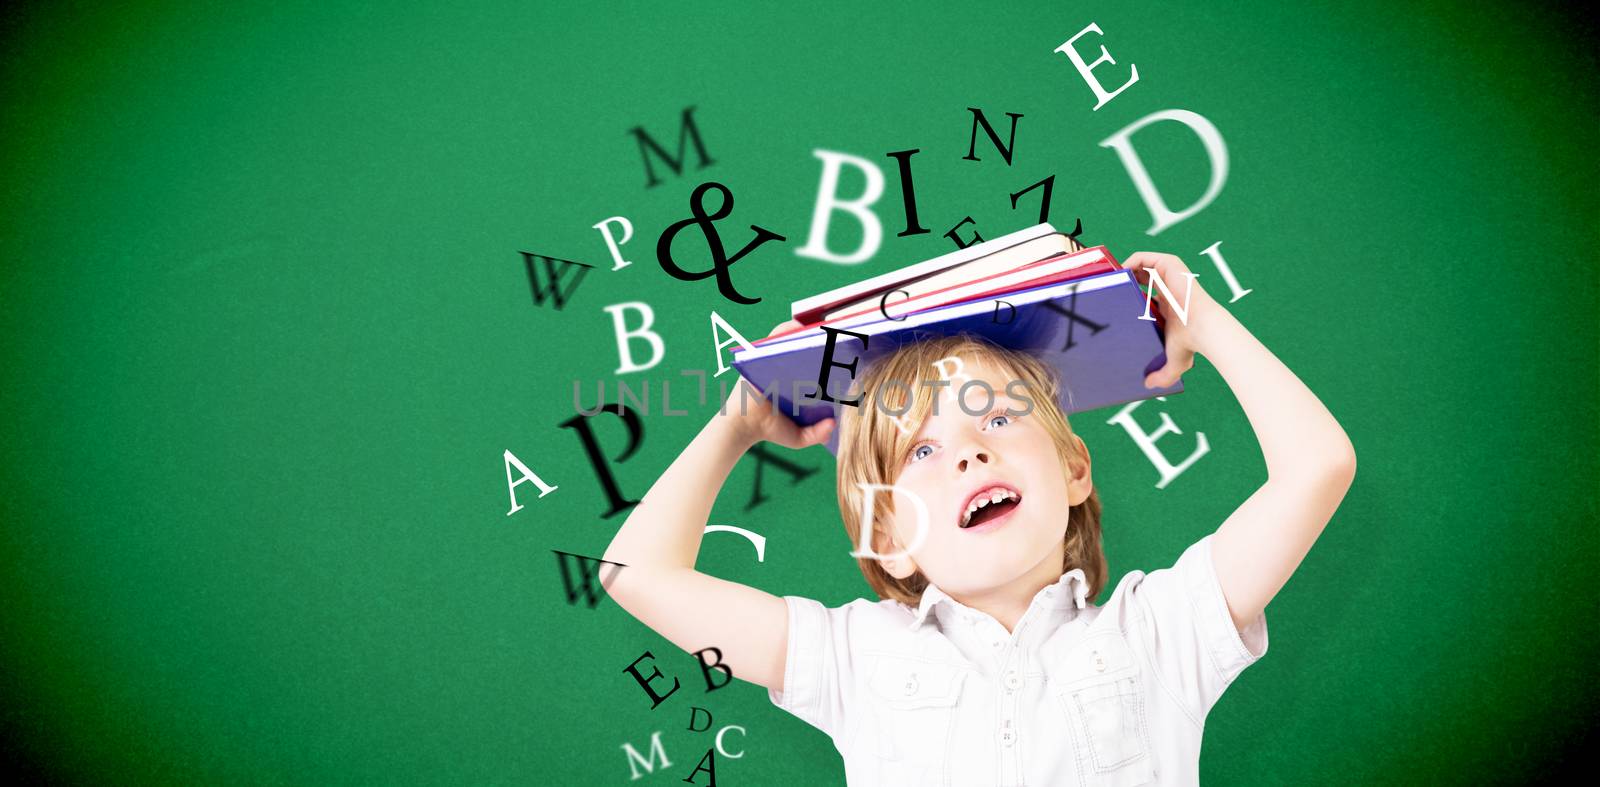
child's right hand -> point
(753, 417)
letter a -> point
(733, 336)
(708, 764)
(527, 475)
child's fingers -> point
(1179, 360)
(1168, 266)
(816, 433)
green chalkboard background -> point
(266, 335)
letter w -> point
(555, 292)
(588, 570)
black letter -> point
(908, 193)
(685, 131)
(710, 757)
(644, 682)
(996, 317)
(763, 456)
(1005, 150)
(598, 462)
(1068, 312)
(694, 709)
(827, 361)
(976, 238)
(555, 278)
(706, 668)
(882, 303)
(1044, 201)
(587, 569)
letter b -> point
(861, 207)
(707, 667)
(624, 335)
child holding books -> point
(983, 661)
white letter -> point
(1227, 274)
(627, 232)
(1147, 442)
(1085, 68)
(724, 752)
(949, 376)
(827, 202)
(657, 349)
(527, 475)
(1157, 283)
(1216, 151)
(733, 335)
(755, 538)
(655, 749)
(866, 521)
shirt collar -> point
(1072, 584)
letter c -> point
(723, 751)
(882, 302)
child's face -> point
(957, 460)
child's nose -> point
(977, 456)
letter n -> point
(686, 132)
(1005, 150)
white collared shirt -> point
(1078, 694)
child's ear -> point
(898, 564)
(1079, 481)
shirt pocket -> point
(914, 706)
(1101, 691)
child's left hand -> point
(1182, 333)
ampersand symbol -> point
(719, 260)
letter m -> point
(553, 276)
(634, 760)
(686, 131)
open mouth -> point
(989, 506)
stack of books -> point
(1036, 290)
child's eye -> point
(996, 421)
(921, 452)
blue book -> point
(1089, 329)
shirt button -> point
(996, 644)
(1012, 681)
(1099, 662)
(1008, 737)
(911, 685)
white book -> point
(1009, 259)
(899, 307)
(813, 309)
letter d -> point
(865, 546)
(694, 713)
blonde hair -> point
(872, 445)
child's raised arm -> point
(660, 539)
(1310, 461)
